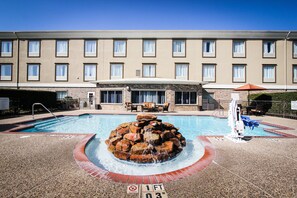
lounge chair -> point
(249, 123)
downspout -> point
(18, 61)
(286, 61)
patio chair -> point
(128, 105)
(166, 106)
(257, 111)
(133, 107)
(149, 106)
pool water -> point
(190, 126)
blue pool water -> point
(190, 126)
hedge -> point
(24, 99)
(275, 103)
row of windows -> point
(149, 48)
(157, 97)
(61, 72)
(149, 70)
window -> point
(149, 48)
(209, 48)
(179, 48)
(269, 73)
(61, 48)
(90, 48)
(33, 72)
(181, 71)
(61, 72)
(238, 73)
(61, 94)
(295, 49)
(148, 96)
(238, 48)
(6, 72)
(208, 73)
(119, 48)
(149, 70)
(6, 49)
(269, 49)
(111, 96)
(90, 71)
(34, 48)
(185, 97)
(294, 73)
(116, 71)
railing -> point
(43, 107)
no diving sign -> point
(133, 188)
(148, 190)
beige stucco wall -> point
(165, 63)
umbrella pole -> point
(248, 98)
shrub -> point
(275, 102)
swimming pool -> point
(190, 126)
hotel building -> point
(184, 68)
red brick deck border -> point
(84, 163)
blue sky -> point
(22, 15)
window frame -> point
(155, 50)
(274, 73)
(188, 70)
(126, 46)
(147, 64)
(28, 64)
(117, 63)
(108, 97)
(294, 55)
(174, 55)
(96, 53)
(263, 53)
(294, 66)
(207, 54)
(11, 71)
(56, 49)
(11, 55)
(182, 95)
(86, 64)
(233, 65)
(28, 46)
(59, 99)
(235, 55)
(154, 90)
(215, 71)
(67, 73)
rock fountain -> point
(146, 140)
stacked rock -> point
(145, 141)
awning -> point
(149, 81)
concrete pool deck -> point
(42, 165)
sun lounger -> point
(249, 123)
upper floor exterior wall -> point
(164, 61)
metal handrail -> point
(43, 107)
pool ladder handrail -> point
(43, 107)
